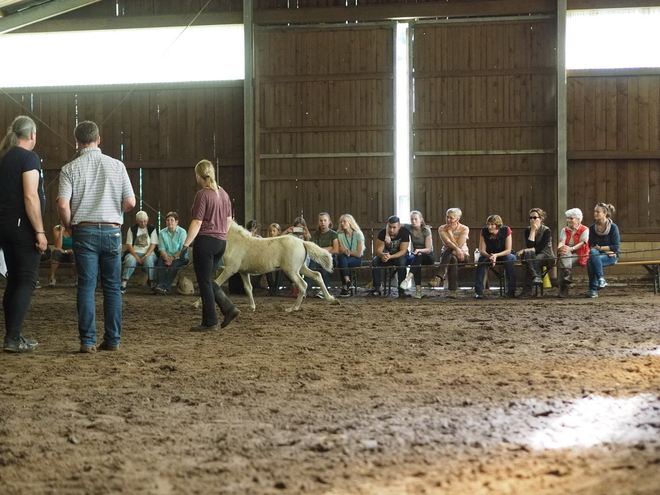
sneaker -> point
(403, 294)
(537, 281)
(87, 349)
(592, 293)
(375, 293)
(122, 289)
(38, 285)
(344, 293)
(479, 295)
(602, 283)
(51, 283)
(320, 295)
(31, 342)
(104, 346)
(453, 294)
(406, 282)
(418, 294)
(160, 291)
(17, 346)
(510, 294)
(436, 282)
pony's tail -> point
(321, 256)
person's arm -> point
(380, 246)
(57, 237)
(544, 242)
(128, 204)
(334, 249)
(358, 251)
(403, 250)
(64, 212)
(613, 248)
(193, 230)
(33, 207)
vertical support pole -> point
(249, 124)
(562, 162)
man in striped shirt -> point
(94, 191)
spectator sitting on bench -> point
(141, 242)
(170, 243)
(351, 248)
(495, 245)
(422, 250)
(63, 253)
(573, 248)
(454, 236)
(391, 250)
(325, 238)
(538, 252)
(604, 241)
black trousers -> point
(18, 243)
(208, 252)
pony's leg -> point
(247, 284)
(299, 282)
(307, 272)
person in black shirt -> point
(22, 234)
(391, 250)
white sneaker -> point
(320, 295)
(418, 294)
(51, 283)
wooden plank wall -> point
(325, 124)
(480, 88)
(162, 132)
(614, 149)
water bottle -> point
(476, 256)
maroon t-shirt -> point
(212, 209)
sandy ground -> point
(373, 396)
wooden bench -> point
(651, 266)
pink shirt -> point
(213, 210)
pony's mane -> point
(241, 230)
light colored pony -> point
(248, 255)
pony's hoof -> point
(196, 304)
(334, 301)
(253, 308)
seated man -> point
(391, 250)
(170, 243)
(141, 242)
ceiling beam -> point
(39, 13)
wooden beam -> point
(39, 13)
(611, 4)
(363, 13)
(642, 71)
(133, 22)
(614, 155)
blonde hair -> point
(275, 226)
(206, 171)
(351, 221)
(456, 211)
(20, 128)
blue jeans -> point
(325, 275)
(416, 262)
(595, 264)
(17, 240)
(399, 262)
(483, 265)
(98, 250)
(130, 263)
(345, 262)
(167, 274)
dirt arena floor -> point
(385, 396)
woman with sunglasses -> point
(538, 252)
(604, 243)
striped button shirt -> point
(95, 184)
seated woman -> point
(538, 252)
(351, 248)
(421, 253)
(273, 278)
(604, 243)
(573, 248)
(170, 260)
(325, 238)
(495, 245)
(63, 253)
(454, 237)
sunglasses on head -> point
(533, 218)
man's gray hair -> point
(141, 215)
(456, 211)
(575, 213)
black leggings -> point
(207, 254)
(18, 242)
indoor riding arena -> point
(372, 108)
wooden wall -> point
(614, 147)
(484, 121)
(158, 132)
(325, 124)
